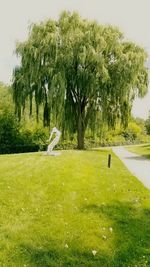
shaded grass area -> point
(143, 150)
(56, 210)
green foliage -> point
(9, 129)
(6, 103)
(147, 126)
(27, 135)
(75, 69)
(132, 132)
(14, 139)
(17, 137)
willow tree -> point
(75, 68)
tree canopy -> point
(76, 68)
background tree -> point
(147, 124)
(6, 103)
(76, 69)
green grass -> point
(54, 211)
(143, 150)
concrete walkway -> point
(137, 165)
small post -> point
(109, 160)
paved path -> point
(137, 165)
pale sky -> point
(131, 16)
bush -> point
(14, 140)
(132, 132)
(9, 130)
(9, 149)
(147, 126)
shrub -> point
(132, 132)
(9, 130)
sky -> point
(131, 16)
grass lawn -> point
(143, 150)
(72, 210)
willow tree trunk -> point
(80, 133)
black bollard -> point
(109, 160)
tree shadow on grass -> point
(131, 228)
(147, 145)
(50, 256)
(147, 156)
(139, 158)
(131, 236)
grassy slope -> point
(56, 210)
(143, 150)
